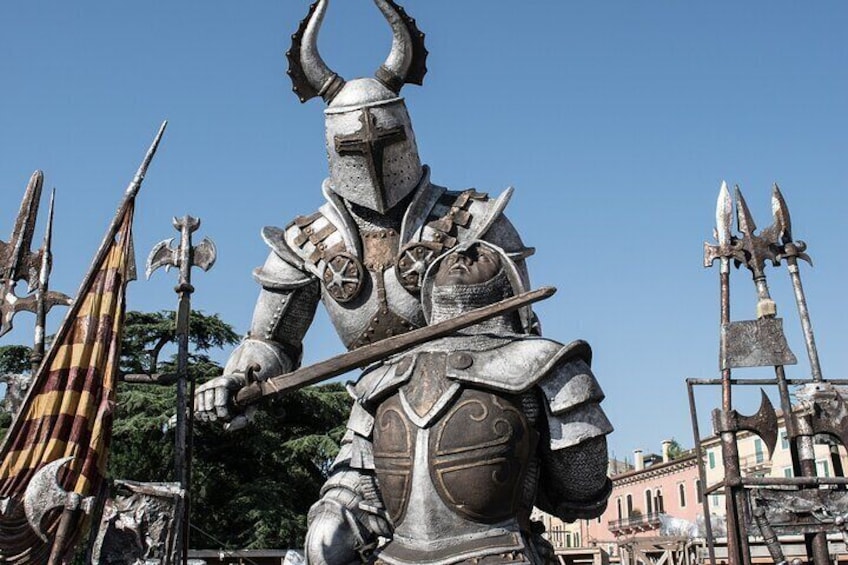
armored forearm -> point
(284, 311)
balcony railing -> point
(639, 523)
(754, 463)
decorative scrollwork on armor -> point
(479, 454)
(343, 277)
(394, 453)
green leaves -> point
(15, 359)
(251, 488)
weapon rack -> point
(803, 504)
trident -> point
(184, 258)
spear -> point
(726, 249)
(791, 251)
(45, 298)
(758, 250)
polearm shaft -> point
(760, 249)
(184, 258)
(791, 251)
(374, 352)
(737, 539)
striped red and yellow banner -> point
(69, 409)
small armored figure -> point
(451, 444)
(365, 251)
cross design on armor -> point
(370, 141)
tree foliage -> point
(15, 359)
(675, 450)
(251, 488)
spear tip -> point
(744, 219)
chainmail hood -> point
(448, 301)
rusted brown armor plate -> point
(479, 451)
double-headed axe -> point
(183, 258)
(43, 494)
(763, 422)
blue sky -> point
(615, 121)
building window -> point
(758, 450)
(576, 539)
(567, 539)
(681, 492)
(711, 456)
(787, 471)
(822, 469)
(714, 500)
(629, 505)
(698, 494)
(784, 441)
(659, 507)
(649, 506)
(618, 506)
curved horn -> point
(309, 73)
(407, 60)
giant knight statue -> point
(365, 251)
(451, 444)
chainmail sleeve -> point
(573, 450)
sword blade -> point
(368, 354)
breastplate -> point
(451, 463)
(383, 307)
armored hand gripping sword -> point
(183, 258)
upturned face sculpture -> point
(473, 265)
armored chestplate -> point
(452, 463)
(371, 278)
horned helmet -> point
(371, 147)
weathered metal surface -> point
(368, 354)
(802, 511)
(755, 343)
(790, 251)
(310, 75)
(183, 258)
(825, 410)
(45, 298)
(44, 493)
(17, 262)
(140, 525)
(763, 423)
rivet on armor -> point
(460, 361)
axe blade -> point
(205, 253)
(162, 255)
(43, 493)
(763, 423)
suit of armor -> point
(451, 445)
(364, 252)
